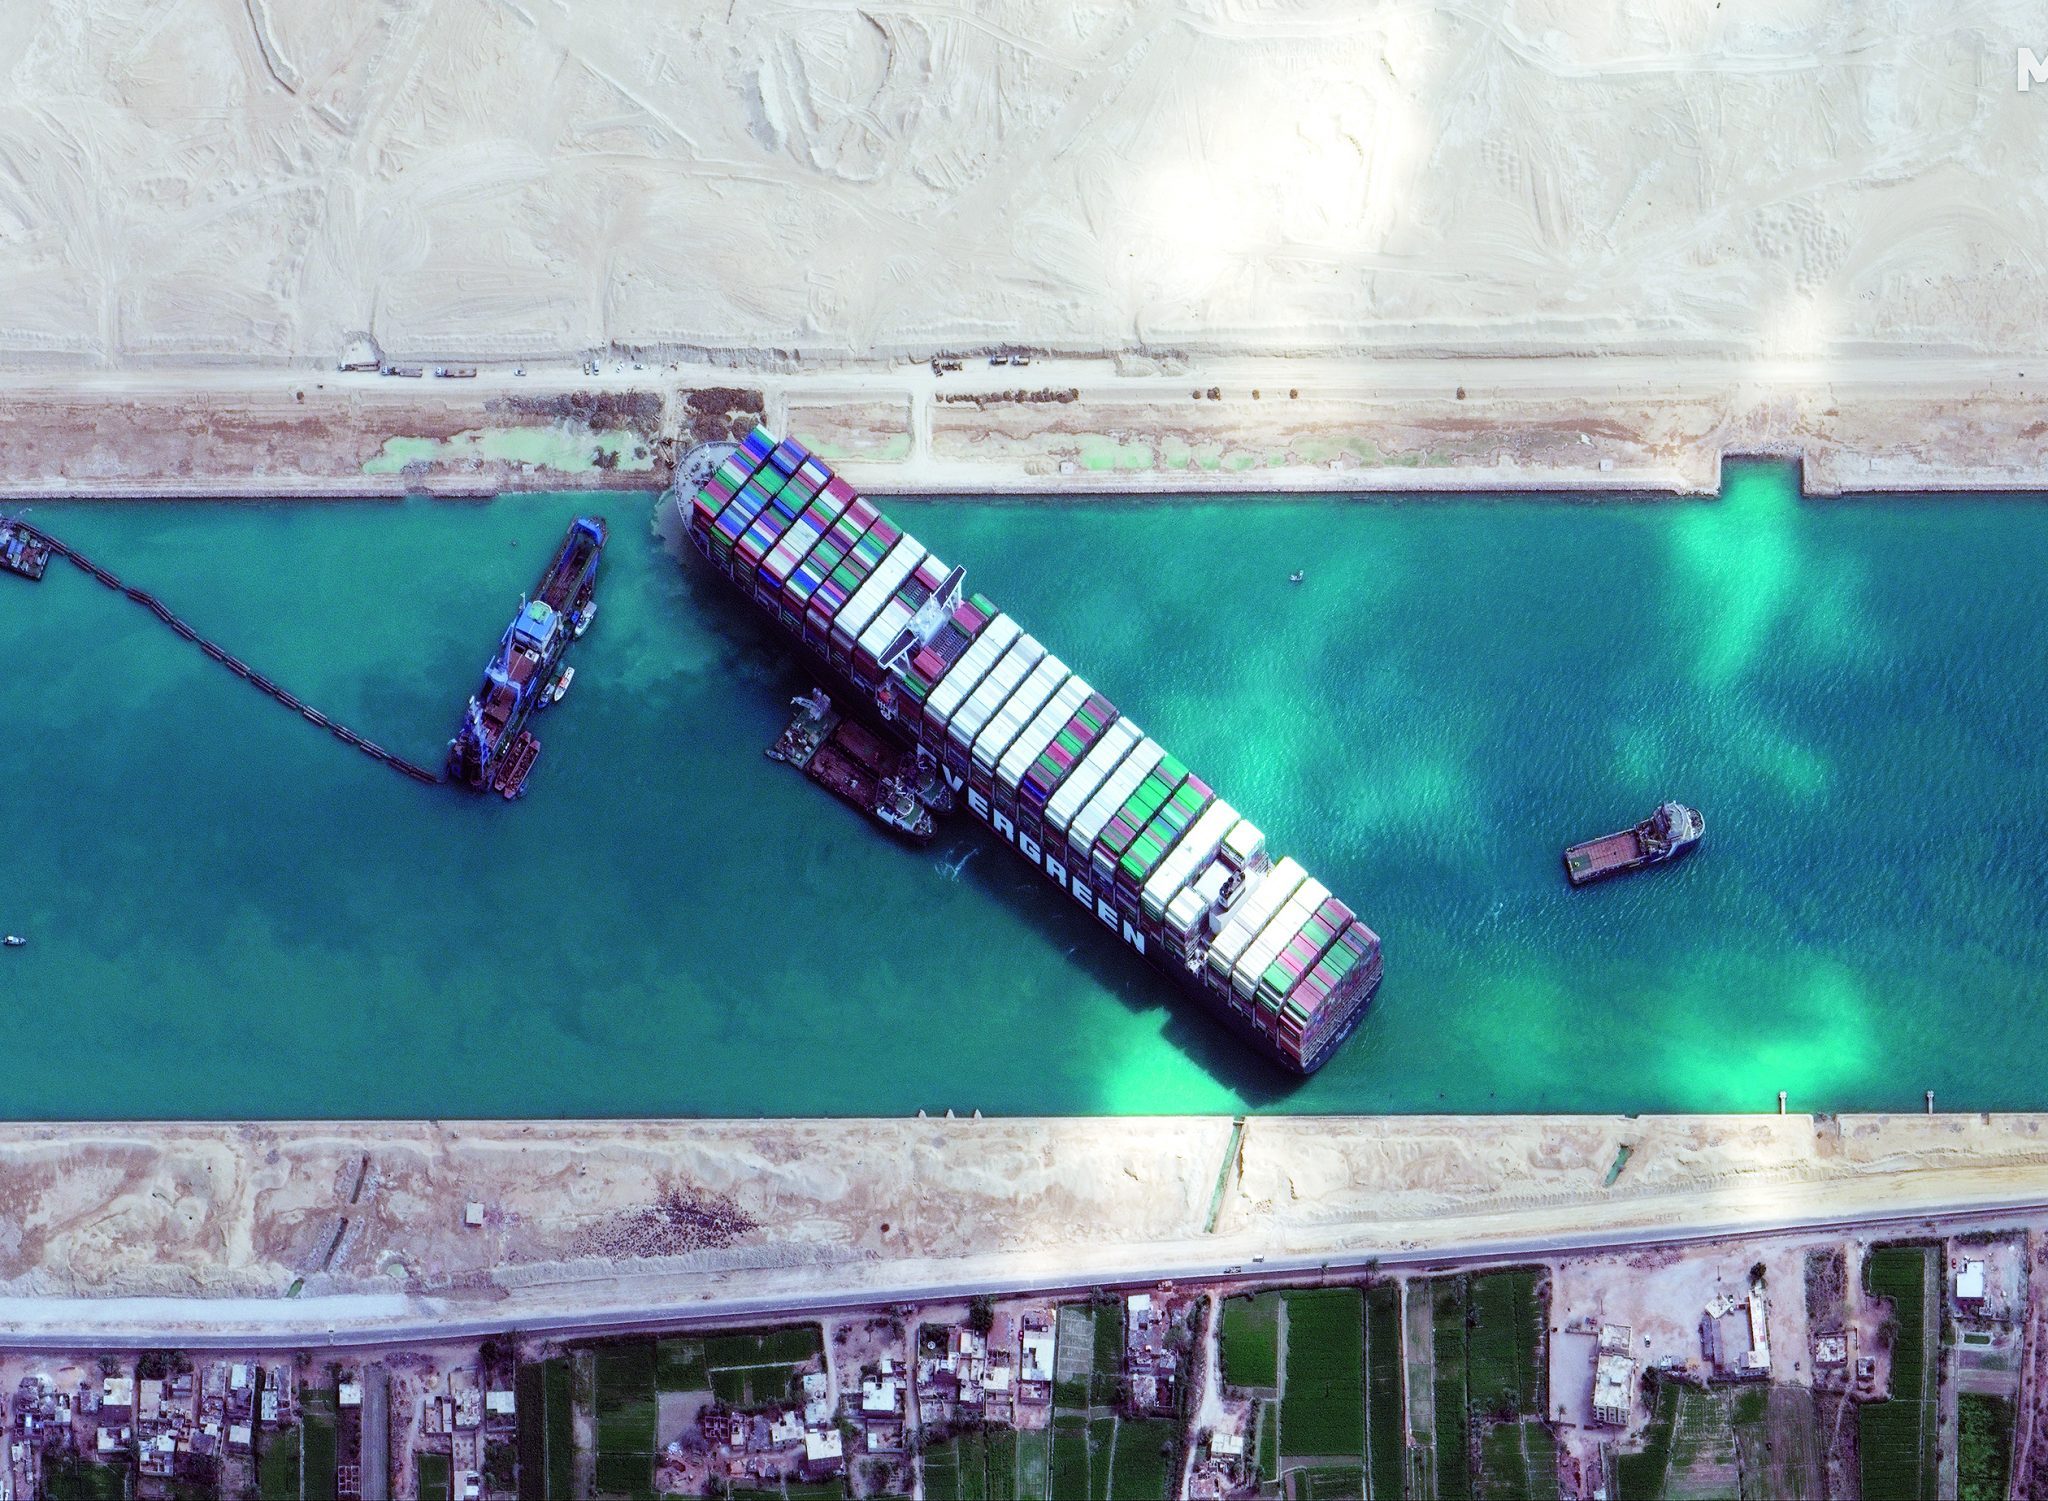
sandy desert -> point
(1634, 236)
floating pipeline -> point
(232, 663)
(1139, 841)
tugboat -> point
(23, 551)
(854, 765)
(493, 751)
(14, 941)
(1664, 835)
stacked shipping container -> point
(1044, 759)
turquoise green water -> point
(233, 914)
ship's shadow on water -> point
(761, 657)
(984, 862)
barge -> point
(493, 751)
(1664, 835)
(856, 766)
(1136, 839)
(23, 551)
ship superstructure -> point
(1071, 783)
(493, 750)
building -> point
(1614, 1390)
(1970, 1284)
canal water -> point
(233, 914)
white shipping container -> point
(1000, 683)
(1082, 783)
(1279, 932)
(1253, 911)
(965, 675)
(1195, 850)
(1051, 719)
(867, 601)
(1018, 711)
(1115, 792)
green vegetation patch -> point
(1145, 1454)
(1451, 1439)
(1101, 1455)
(1251, 1341)
(1073, 1355)
(1069, 1457)
(1983, 1447)
(680, 1366)
(1322, 1404)
(558, 1382)
(320, 1408)
(433, 1470)
(1384, 1422)
(1895, 1439)
(1034, 1464)
(1640, 1477)
(1328, 1483)
(72, 1478)
(1002, 1465)
(277, 1467)
(1504, 1353)
(1266, 1448)
(1703, 1451)
(626, 1417)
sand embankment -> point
(220, 1210)
(1638, 237)
(1052, 428)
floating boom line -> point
(231, 662)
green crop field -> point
(1503, 1359)
(319, 1409)
(680, 1366)
(957, 1470)
(1983, 1447)
(1101, 1455)
(433, 1470)
(73, 1479)
(1002, 1465)
(1328, 1483)
(1640, 1477)
(1069, 1457)
(1322, 1400)
(1384, 1421)
(1895, 1439)
(1451, 1441)
(1251, 1341)
(626, 1412)
(1034, 1464)
(1145, 1453)
(1073, 1356)
(277, 1467)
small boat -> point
(1296, 576)
(584, 616)
(1664, 835)
(14, 941)
(561, 688)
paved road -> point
(368, 1322)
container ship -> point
(1664, 835)
(1137, 840)
(494, 751)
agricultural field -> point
(547, 1432)
(277, 1465)
(1322, 1398)
(1094, 1455)
(433, 1473)
(1751, 1441)
(70, 1478)
(1384, 1424)
(1895, 1439)
(1486, 1388)
(1984, 1447)
(319, 1411)
(626, 1407)
(1250, 1338)
(1333, 1358)
(988, 1465)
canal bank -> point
(231, 919)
